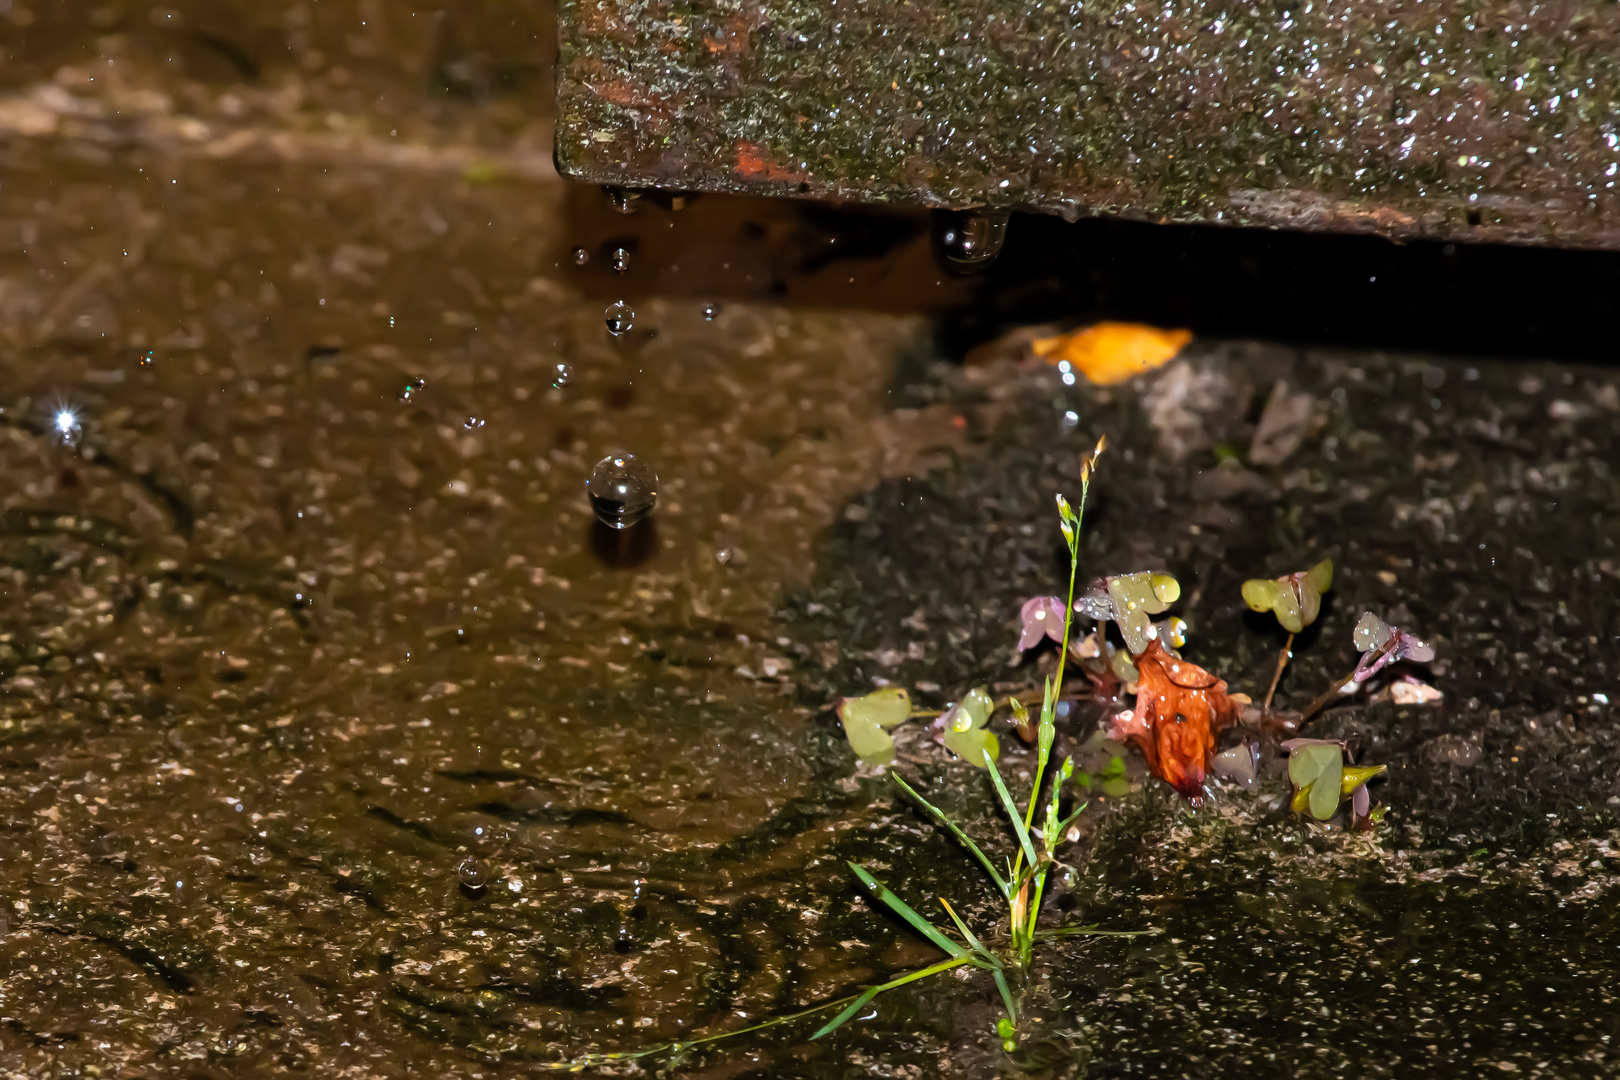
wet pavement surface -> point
(337, 737)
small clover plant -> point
(1295, 599)
(1322, 780)
(867, 720)
(1022, 879)
(966, 733)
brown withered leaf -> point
(1180, 709)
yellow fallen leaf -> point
(1112, 352)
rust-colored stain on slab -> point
(1492, 121)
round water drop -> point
(624, 200)
(723, 556)
(711, 311)
(620, 318)
(561, 376)
(581, 256)
(619, 260)
(473, 872)
(968, 241)
(623, 490)
(472, 423)
(411, 387)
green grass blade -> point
(1006, 996)
(1063, 826)
(967, 935)
(872, 992)
(1012, 810)
(905, 911)
(961, 837)
(850, 1010)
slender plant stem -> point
(575, 1064)
(1023, 928)
(1028, 697)
(1034, 913)
(1326, 697)
(1276, 676)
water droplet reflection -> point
(561, 376)
(412, 386)
(968, 241)
(623, 490)
(472, 423)
(65, 423)
(473, 873)
(619, 260)
(620, 318)
(711, 311)
(624, 200)
(581, 256)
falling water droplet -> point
(473, 873)
(561, 375)
(619, 260)
(620, 318)
(711, 311)
(623, 490)
(412, 386)
(722, 555)
(968, 241)
(472, 423)
(146, 358)
(581, 256)
(624, 200)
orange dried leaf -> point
(1180, 709)
(1111, 352)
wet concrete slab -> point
(1458, 122)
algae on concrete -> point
(1479, 120)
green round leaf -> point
(869, 741)
(1306, 763)
(970, 745)
(1165, 587)
(888, 707)
(1310, 602)
(1287, 610)
(1325, 789)
(978, 705)
(1261, 593)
